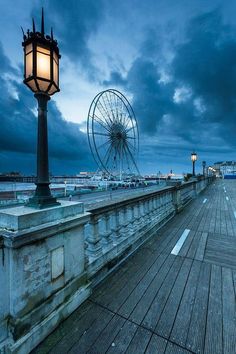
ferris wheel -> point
(113, 133)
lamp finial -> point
(33, 25)
(42, 24)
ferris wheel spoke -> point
(102, 134)
(131, 146)
(111, 107)
(108, 155)
(99, 121)
(132, 158)
(106, 110)
(103, 145)
(104, 113)
(127, 120)
(128, 130)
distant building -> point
(225, 168)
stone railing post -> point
(46, 278)
(177, 200)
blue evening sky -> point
(174, 60)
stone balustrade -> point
(118, 228)
(49, 259)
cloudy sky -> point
(174, 60)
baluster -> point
(123, 223)
(129, 216)
(136, 216)
(93, 239)
(115, 227)
(106, 229)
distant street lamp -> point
(194, 159)
(203, 168)
(41, 75)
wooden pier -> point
(164, 301)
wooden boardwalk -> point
(158, 302)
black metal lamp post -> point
(204, 168)
(194, 159)
(41, 75)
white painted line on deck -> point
(227, 198)
(235, 214)
(180, 243)
(204, 201)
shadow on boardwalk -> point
(158, 302)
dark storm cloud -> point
(18, 129)
(206, 63)
(203, 71)
(74, 22)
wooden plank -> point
(139, 342)
(196, 334)
(193, 248)
(75, 332)
(157, 345)
(107, 336)
(213, 339)
(123, 339)
(56, 337)
(201, 247)
(155, 310)
(184, 250)
(138, 292)
(142, 307)
(229, 310)
(84, 343)
(117, 299)
(175, 349)
(165, 323)
(181, 325)
(119, 278)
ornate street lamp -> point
(194, 159)
(41, 75)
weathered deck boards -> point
(160, 303)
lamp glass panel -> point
(32, 85)
(55, 72)
(55, 57)
(43, 63)
(52, 90)
(28, 48)
(29, 65)
(43, 85)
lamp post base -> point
(42, 198)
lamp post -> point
(204, 168)
(194, 159)
(41, 75)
